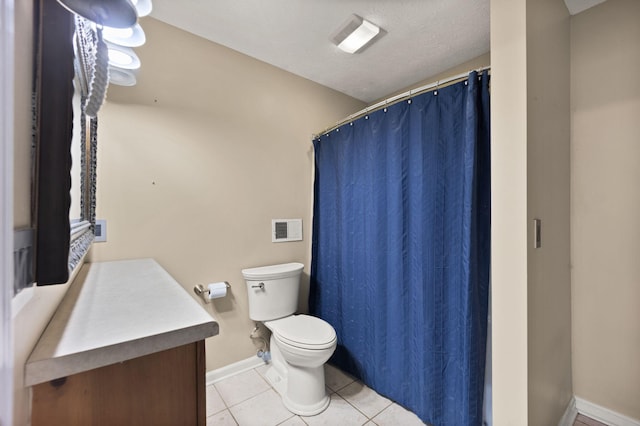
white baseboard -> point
(222, 373)
(569, 414)
(603, 414)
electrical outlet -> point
(101, 231)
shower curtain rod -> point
(401, 97)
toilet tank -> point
(273, 290)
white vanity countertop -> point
(113, 312)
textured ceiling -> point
(577, 6)
(423, 37)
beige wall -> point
(33, 307)
(548, 195)
(605, 205)
(509, 211)
(531, 297)
(481, 61)
(22, 113)
(197, 159)
(185, 178)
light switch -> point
(537, 233)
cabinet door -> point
(164, 388)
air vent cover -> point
(283, 230)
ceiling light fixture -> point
(129, 37)
(112, 13)
(122, 77)
(123, 57)
(355, 34)
(143, 7)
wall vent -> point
(283, 230)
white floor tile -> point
(253, 401)
(339, 412)
(262, 370)
(214, 401)
(241, 387)
(396, 415)
(293, 421)
(265, 409)
(336, 379)
(364, 398)
(222, 418)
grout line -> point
(356, 408)
(248, 398)
(221, 411)
(342, 387)
(253, 396)
(289, 418)
(330, 392)
(233, 417)
(349, 402)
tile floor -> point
(247, 399)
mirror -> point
(60, 242)
(77, 160)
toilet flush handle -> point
(260, 286)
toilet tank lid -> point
(273, 271)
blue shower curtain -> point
(400, 263)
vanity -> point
(126, 346)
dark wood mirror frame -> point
(53, 127)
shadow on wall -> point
(303, 297)
(225, 304)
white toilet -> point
(300, 344)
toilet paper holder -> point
(203, 292)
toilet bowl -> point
(300, 344)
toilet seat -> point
(303, 331)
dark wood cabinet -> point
(163, 388)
